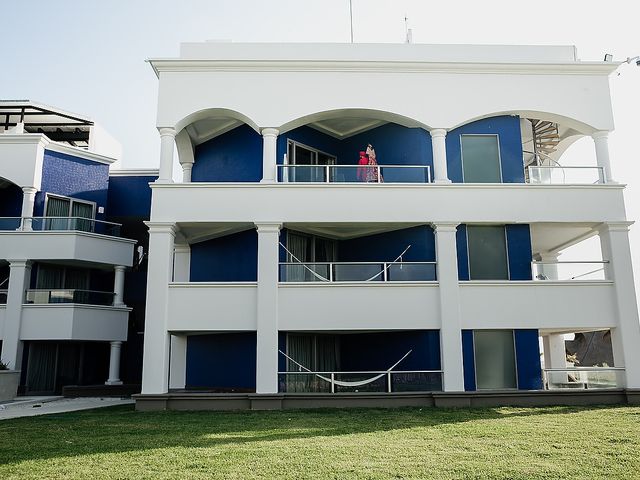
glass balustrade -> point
(583, 378)
(558, 175)
(78, 224)
(354, 173)
(329, 272)
(564, 271)
(360, 382)
(84, 297)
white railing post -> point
(333, 384)
(385, 277)
(389, 382)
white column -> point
(155, 363)
(114, 364)
(439, 147)
(167, 141)
(28, 201)
(19, 277)
(267, 314)
(118, 286)
(601, 141)
(555, 356)
(625, 338)
(186, 172)
(549, 267)
(450, 329)
(178, 367)
(269, 139)
(182, 263)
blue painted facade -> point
(129, 196)
(232, 258)
(64, 174)
(10, 201)
(385, 247)
(468, 360)
(510, 140)
(235, 156)
(222, 361)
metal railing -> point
(554, 175)
(354, 173)
(358, 272)
(67, 295)
(562, 271)
(377, 381)
(583, 378)
(3, 297)
(27, 224)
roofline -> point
(45, 107)
(48, 144)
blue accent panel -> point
(463, 254)
(387, 246)
(10, 201)
(282, 346)
(233, 258)
(130, 197)
(468, 361)
(222, 361)
(378, 351)
(528, 360)
(519, 248)
(75, 177)
(235, 156)
(311, 138)
(510, 139)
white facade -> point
(343, 90)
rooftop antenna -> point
(407, 30)
(351, 18)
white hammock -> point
(348, 384)
(323, 279)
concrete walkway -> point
(32, 406)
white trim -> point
(68, 232)
(79, 152)
(135, 172)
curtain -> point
(326, 353)
(41, 370)
(78, 280)
(83, 211)
(299, 247)
(300, 348)
(57, 207)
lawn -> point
(559, 442)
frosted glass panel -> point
(495, 359)
(480, 159)
(487, 253)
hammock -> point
(324, 279)
(348, 384)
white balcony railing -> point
(354, 173)
(329, 272)
(80, 224)
(569, 270)
(559, 175)
(584, 378)
(62, 295)
(3, 297)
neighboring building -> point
(68, 234)
(278, 252)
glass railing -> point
(564, 271)
(566, 175)
(583, 378)
(57, 295)
(360, 382)
(358, 272)
(354, 173)
(60, 224)
(3, 297)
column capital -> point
(182, 248)
(438, 132)
(120, 268)
(615, 226)
(269, 132)
(268, 227)
(19, 263)
(167, 131)
(116, 343)
(549, 256)
(445, 226)
(600, 134)
(29, 190)
(162, 227)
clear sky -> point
(88, 57)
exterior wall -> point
(10, 201)
(232, 258)
(129, 196)
(387, 246)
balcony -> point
(372, 174)
(330, 272)
(64, 238)
(569, 175)
(583, 378)
(57, 296)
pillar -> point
(439, 147)
(182, 263)
(167, 141)
(178, 367)
(269, 140)
(549, 267)
(267, 306)
(601, 141)
(19, 278)
(28, 201)
(625, 337)
(155, 363)
(186, 172)
(555, 356)
(450, 329)
(114, 364)
(118, 286)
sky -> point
(88, 57)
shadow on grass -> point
(121, 429)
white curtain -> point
(298, 245)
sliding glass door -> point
(495, 359)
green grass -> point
(559, 442)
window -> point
(487, 247)
(495, 359)
(480, 159)
(312, 250)
(77, 214)
(311, 163)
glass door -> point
(495, 359)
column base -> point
(442, 180)
(264, 180)
(113, 382)
(164, 180)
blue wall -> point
(379, 351)
(508, 130)
(130, 196)
(232, 258)
(235, 156)
(311, 138)
(468, 361)
(222, 361)
(71, 176)
(463, 254)
(10, 201)
(387, 246)
(528, 359)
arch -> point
(215, 114)
(11, 196)
(353, 113)
(577, 125)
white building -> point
(283, 250)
